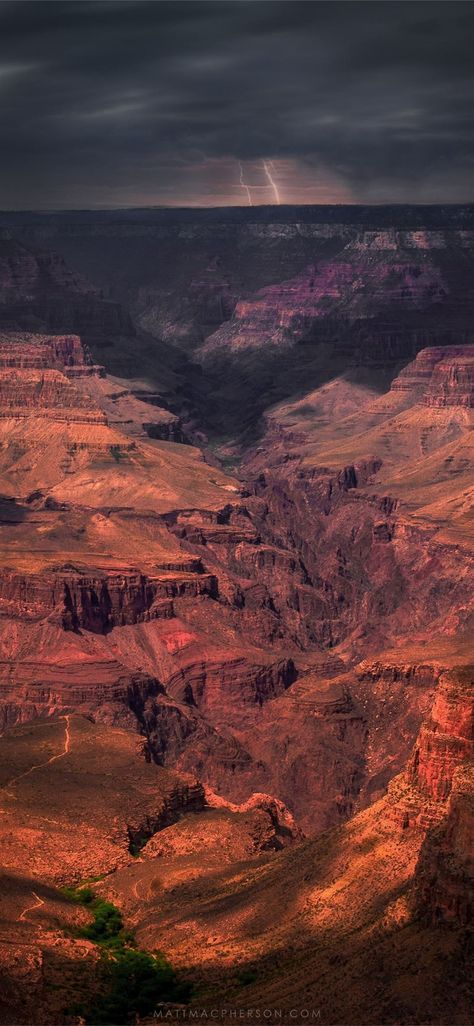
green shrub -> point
(134, 982)
(246, 976)
(137, 843)
(80, 895)
(116, 453)
(107, 924)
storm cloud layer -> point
(131, 103)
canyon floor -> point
(236, 611)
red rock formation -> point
(384, 266)
(420, 797)
(46, 393)
(445, 871)
(362, 910)
(435, 795)
(213, 600)
(97, 603)
(228, 693)
(440, 376)
(447, 739)
(61, 352)
(452, 383)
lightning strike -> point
(244, 184)
(266, 168)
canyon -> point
(236, 603)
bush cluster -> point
(134, 982)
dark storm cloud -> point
(131, 102)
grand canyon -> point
(236, 612)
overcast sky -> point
(136, 103)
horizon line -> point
(232, 206)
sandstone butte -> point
(262, 684)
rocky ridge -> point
(392, 268)
(381, 953)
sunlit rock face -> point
(452, 383)
(447, 739)
(435, 795)
(442, 376)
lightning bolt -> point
(266, 167)
(244, 184)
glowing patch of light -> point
(244, 184)
(266, 168)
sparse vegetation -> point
(246, 976)
(116, 453)
(137, 843)
(134, 982)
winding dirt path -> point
(147, 885)
(135, 890)
(38, 903)
(54, 758)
